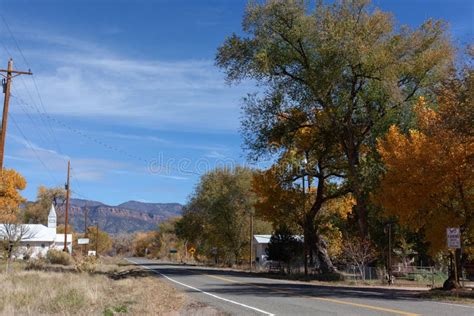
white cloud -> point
(215, 154)
(80, 78)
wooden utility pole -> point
(85, 221)
(97, 241)
(251, 240)
(85, 227)
(66, 217)
(7, 80)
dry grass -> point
(65, 293)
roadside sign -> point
(173, 251)
(453, 236)
(83, 241)
(192, 250)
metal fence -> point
(409, 276)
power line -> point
(100, 142)
(23, 108)
(34, 83)
(32, 148)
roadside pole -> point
(251, 241)
(7, 80)
(66, 219)
(97, 241)
(453, 238)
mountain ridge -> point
(128, 217)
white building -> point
(260, 245)
(38, 239)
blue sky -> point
(129, 93)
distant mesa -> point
(128, 217)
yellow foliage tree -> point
(429, 179)
(146, 244)
(105, 242)
(11, 183)
(37, 212)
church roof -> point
(52, 211)
(39, 233)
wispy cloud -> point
(84, 79)
(215, 154)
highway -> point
(240, 293)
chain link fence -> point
(408, 276)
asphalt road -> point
(239, 293)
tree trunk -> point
(360, 211)
(325, 262)
(356, 183)
(306, 243)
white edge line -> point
(207, 293)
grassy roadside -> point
(465, 296)
(115, 288)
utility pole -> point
(85, 227)
(85, 221)
(251, 240)
(97, 241)
(305, 242)
(388, 229)
(66, 217)
(6, 82)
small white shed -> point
(260, 244)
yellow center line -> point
(370, 307)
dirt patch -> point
(194, 308)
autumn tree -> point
(169, 239)
(218, 214)
(37, 212)
(429, 179)
(11, 183)
(282, 201)
(104, 240)
(346, 67)
(146, 244)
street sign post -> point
(453, 237)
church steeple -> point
(52, 217)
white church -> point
(40, 238)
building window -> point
(43, 245)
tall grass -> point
(39, 292)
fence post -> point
(432, 277)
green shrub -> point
(59, 257)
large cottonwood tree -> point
(346, 66)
